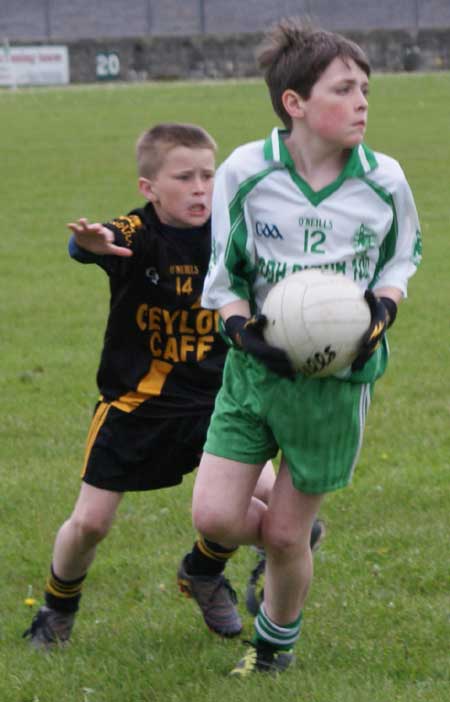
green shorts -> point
(317, 424)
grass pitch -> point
(377, 624)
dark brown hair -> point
(154, 144)
(294, 55)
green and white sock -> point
(280, 637)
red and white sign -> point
(34, 65)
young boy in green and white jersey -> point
(310, 195)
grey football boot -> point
(50, 628)
(216, 599)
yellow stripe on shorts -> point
(96, 424)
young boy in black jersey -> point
(160, 370)
(160, 367)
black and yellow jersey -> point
(162, 352)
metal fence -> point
(32, 20)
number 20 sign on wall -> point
(107, 65)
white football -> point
(319, 318)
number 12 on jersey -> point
(312, 241)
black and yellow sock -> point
(208, 558)
(63, 595)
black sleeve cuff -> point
(234, 326)
(391, 309)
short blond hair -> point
(154, 144)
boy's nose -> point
(363, 101)
(199, 185)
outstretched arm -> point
(96, 239)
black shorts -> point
(126, 451)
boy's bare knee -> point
(210, 524)
(205, 522)
(277, 540)
(277, 536)
(90, 528)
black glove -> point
(248, 335)
(383, 311)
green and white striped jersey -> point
(268, 223)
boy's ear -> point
(293, 103)
(146, 188)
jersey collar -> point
(362, 160)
